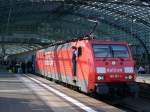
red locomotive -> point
(89, 64)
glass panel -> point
(110, 51)
(120, 51)
(102, 51)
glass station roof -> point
(47, 21)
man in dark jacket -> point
(74, 62)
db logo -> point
(113, 62)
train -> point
(91, 65)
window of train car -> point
(79, 51)
(120, 51)
(102, 51)
(110, 51)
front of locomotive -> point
(114, 68)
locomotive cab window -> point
(102, 51)
(120, 51)
(79, 51)
(110, 51)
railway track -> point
(140, 104)
(131, 104)
(135, 105)
(144, 91)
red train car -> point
(101, 66)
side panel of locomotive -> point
(39, 66)
(85, 67)
(56, 62)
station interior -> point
(27, 25)
(30, 25)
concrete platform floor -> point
(143, 78)
(20, 93)
(15, 96)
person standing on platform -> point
(141, 70)
(74, 61)
(23, 67)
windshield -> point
(110, 51)
(102, 51)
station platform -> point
(143, 78)
(30, 93)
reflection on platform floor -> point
(143, 78)
(18, 93)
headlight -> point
(100, 69)
(101, 77)
(128, 77)
(128, 69)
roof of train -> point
(90, 40)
